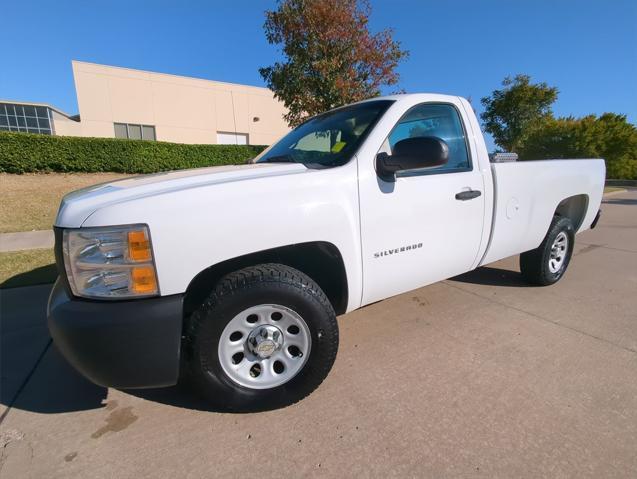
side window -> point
(438, 120)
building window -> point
(134, 132)
(25, 118)
(224, 138)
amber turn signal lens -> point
(143, 280)
(139, 246)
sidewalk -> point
(26, 240)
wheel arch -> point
(573, 208)
(320, 260)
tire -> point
(279, 297)
(547, 263)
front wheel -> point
(547, 263)
(265, 338)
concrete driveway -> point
(477, 376)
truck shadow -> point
(491, 276)
(40, 275)
(182, 396)
(34, 375)
(55, 387)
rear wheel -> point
(548, 262)
(265, 338)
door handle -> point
(468, 195)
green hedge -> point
(27, 153)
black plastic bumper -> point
(121, 344)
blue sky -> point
(588, 49)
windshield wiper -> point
(279, 159)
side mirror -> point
(411, 154)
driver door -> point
(427, 225)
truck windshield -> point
(329, 139)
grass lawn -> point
(30, 201)
(26, 268)
(611, 189)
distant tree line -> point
(520, 119)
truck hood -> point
(78, 205)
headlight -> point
(110, 262)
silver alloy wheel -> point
(559, 249)
(264, 346)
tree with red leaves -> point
(331, 57)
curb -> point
(613, 193)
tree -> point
(331, 57)
(513, 110)
(609, 136)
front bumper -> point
(121, 344)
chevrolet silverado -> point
(233, 276)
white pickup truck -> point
(233, 276)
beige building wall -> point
(65, 126)
(182, 109)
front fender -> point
(194, 228)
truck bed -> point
(528, 193)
